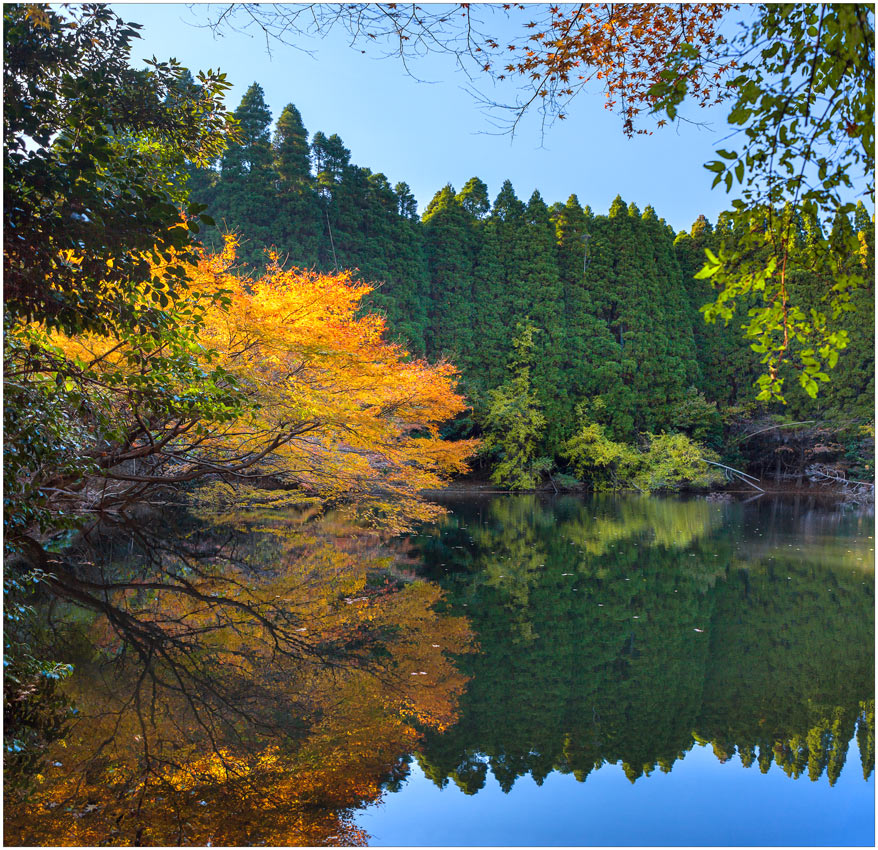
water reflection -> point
(247, 682)
(254, 679)
(624, 631)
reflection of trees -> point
(603, 641)
(251, 686)
(797, 640)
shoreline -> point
(466, 487)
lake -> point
(531, 671)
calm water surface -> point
(565, 671)
(651, 672)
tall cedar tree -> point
(246, 192)
(448, 229)
(537, 268)
(298, 225)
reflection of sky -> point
(701, 802)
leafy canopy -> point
(93, 156)
(284, 379)
(804, 100)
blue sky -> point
(432, 133)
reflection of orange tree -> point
(279, 380)
(254, 706)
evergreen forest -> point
(558, 316)
(240, 371)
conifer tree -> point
(492, 311)
(682, 365)
(371, 227)
(508, 213)
(331, 159)
(495, 305)
(450, 250)
(590, 353)
(514, 422)
(246, 194)
(728, 367)
(473, 197)
(392, 256)
(537, 269)
(291, 149)
(407, 206)
(299, 223)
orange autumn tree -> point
(280, 380)
(625, 47)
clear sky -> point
(432, 133)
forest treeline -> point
(609, 303)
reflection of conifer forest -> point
(624, 632)
(281, 672)
(238, 368)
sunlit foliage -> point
(667, 462)
(93, 155)
(275, 377)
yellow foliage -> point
(333, 407)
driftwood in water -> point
(857, 491)
(747, 479)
